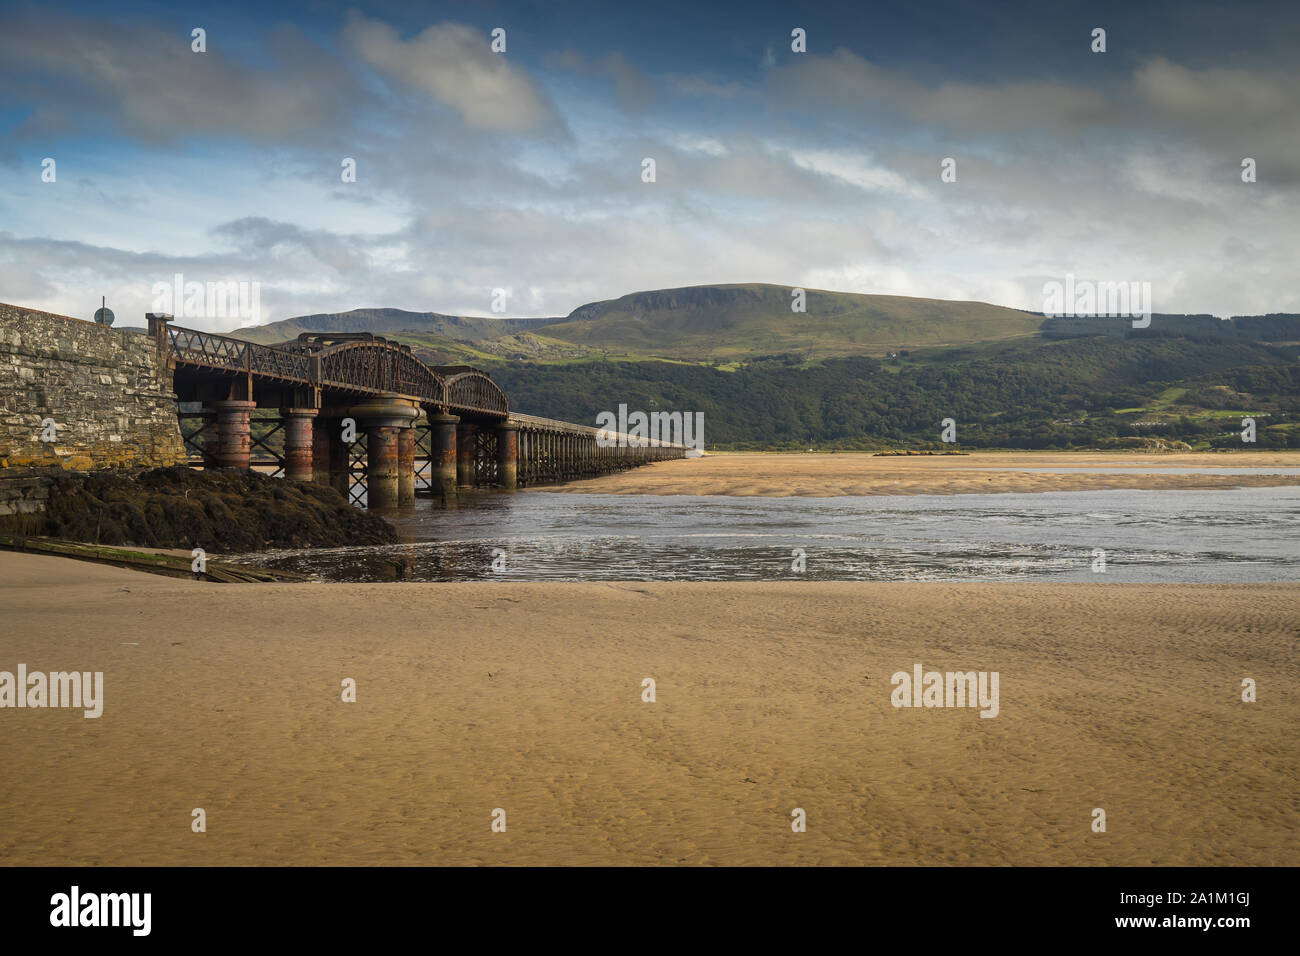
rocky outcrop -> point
(218, 511)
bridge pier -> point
(508, 456)
(465, 455)
(299, 450)
(384, 418)
(320, 450)
(331, 457)
(381, 468)
(405, 467)
(209, 438)
(234, 439)
(443, 454)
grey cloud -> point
(696, 85)
(633, 90)
(1243, 113)
(1248, 112)
(275, 244)
(454, 64)
(147, 83)
(846, 80)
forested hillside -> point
(1042, 395)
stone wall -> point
(110, 402)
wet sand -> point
(860, 473)
(527, 697)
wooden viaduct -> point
(366, 416)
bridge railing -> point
(278, 363)
(202, 348)
(220, 351)
(589, 431)
(473, 389)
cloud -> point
(1249, 113)
(273, 245)
(143, 81)
(633, 90)
(856, 167)
(845, 80)
(697, 85)
(454, 65)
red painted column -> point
(405, 466)
(320, 449)
(465, 456)
(381, 468)
(298, 443)
(234, 446)
(508, 456)
(383, 417)
(445, 461)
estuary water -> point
(1238, 535)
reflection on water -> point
(1247, 534)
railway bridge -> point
(367, 417)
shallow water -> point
(1238, 535)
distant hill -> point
(701, 323)
(1277, 328)
(740, 323)
(1074, 392)
(736, 322)
(458, 328)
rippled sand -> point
(832, 475)
(527, 697)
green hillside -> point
(725, 323)
(1073, 393)
(738, 322)
(735, 324)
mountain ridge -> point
(460, 328)
(740, 322)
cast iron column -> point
(381, 468)
(465, 456)
(320, 449)
(383, 417)
(443, 454)
(507, 456)
(234, 439)
(298, 440)
(405, 466)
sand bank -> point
(527, 697)
(827, 475)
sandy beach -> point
(527, 697)
(860, 473)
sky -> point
(515, 180)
